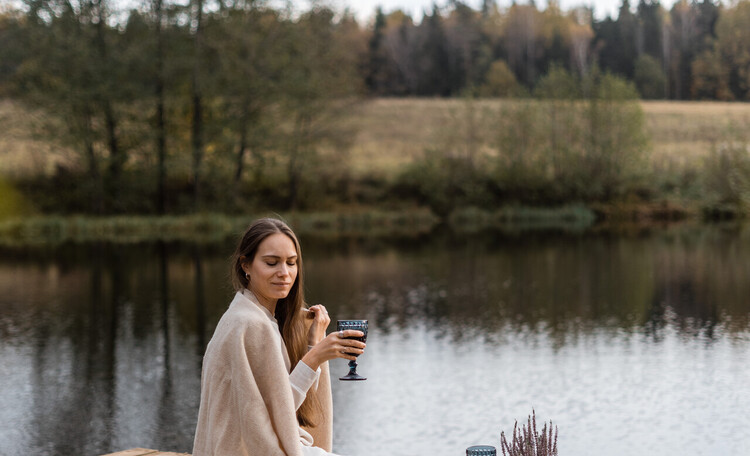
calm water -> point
(633, 343)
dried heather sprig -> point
(528, 442)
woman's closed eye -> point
(289, 263)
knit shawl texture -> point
(247, 407)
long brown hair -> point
(288, 310)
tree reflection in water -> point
(104, 342)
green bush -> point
(522, 169)
(500, 82)
(444, 182)
(556, 148)
(726, 176)
(616, 143)
(562, 148)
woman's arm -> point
(302, 379)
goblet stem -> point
(352, 375)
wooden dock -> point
(145, 452)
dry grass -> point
(392, 132)
(23, 149)
(683, 132)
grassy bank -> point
(202, 228)
(567, 218)
(210, 228)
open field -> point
(393, 131)
(22, 152)
(682, 132)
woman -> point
(267, 352)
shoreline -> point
(40, 230)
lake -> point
(630, 341)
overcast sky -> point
(364, 9)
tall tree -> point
(468, 47)
(707, 13)
(733, 41)
(627, 40)
(649, 36)
(12, 54)
(434, 63)
(196, 95)
(318, 89)
(160, 118)
(683, 18)
(249, 45)
(61, 74)
(581, 34)
(377, 60)
(402, 43)
(521, 34)
(106, 71)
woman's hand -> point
(335, 345)
(321, 320)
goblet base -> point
(352, 377)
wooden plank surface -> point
(134, 452)
(145, 452)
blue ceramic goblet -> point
(359, 325)
(481, 450)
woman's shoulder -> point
(244, 316)
(243, 326)
(243, 313)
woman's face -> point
(273, 270)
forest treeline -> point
(695, 50)
(237, 104)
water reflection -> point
(563, 285)
(101, 345)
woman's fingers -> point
(320, 308)
(353, 344)
(334, 346)
(321, 320)
(349, 353)
(350, 344)
(321, 314)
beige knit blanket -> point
(246, 407)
